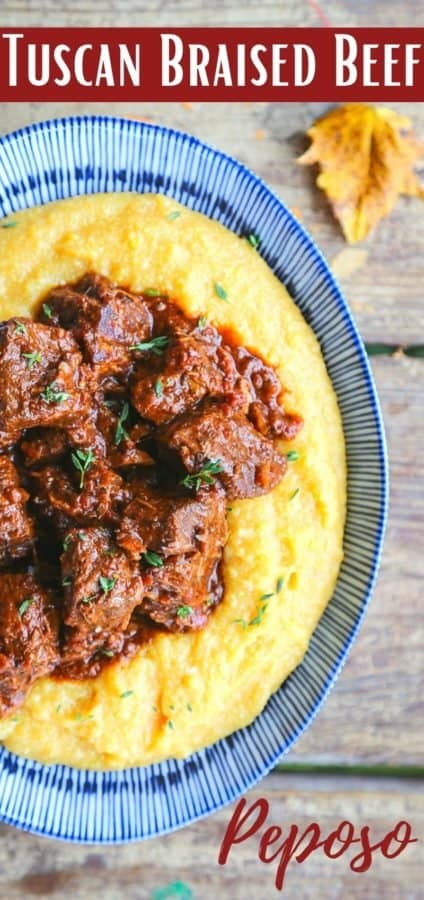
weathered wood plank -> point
(31, 867)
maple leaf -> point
(366, 155)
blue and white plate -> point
(85, 155)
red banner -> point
(205, 64)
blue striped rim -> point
(64, 157)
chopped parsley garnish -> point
(184, 611)
(47, 310)
(210, 601)
(253, 240)
(292, 455)
(126, 694)
(280, 584)
(172, 216)
(120, 433)
(82, 536)
(105, 652)
(22, 608)
(52, 394)
(66, 581)
(20, 328)
(32, 358)
(153, 292)
(262, 607)
(189, 707)
(58, 707)
(170, 724)
(260, 614)
(82, 460)
(202, 322)
(9, 224)
(152, 558)
(67, 541)
(157, 345)
(80, 718)
(220, 292)
(107, 584)
(158, 387)
(205, 475)
(89, 599)
(294, 494)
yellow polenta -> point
(183, 692)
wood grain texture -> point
(33, 867)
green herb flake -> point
(58, 707)
(105, 652)
(20, 328)
(205, 475)
(184, 611)
(210, 602)
(66, 581)
(294, 494)
(126, 694)
(280, 584)
(120, 433)
(22, 608)
(241, 622)
(47, 310)
(292, 456)
(158, 387)
(152, 558)
(157, 345)
(189, 707)
(202, 322)
(153, 292)
(265, 597)
(83, 537)
(9, 224)
(253, 240)
(82, 460)
(173, 215)
(171, 724)
(107, 584)
(32, 358)
(67, 542)
(89, 599)
(81, 718)
(52, 394)
(220, 292)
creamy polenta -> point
(184, 691)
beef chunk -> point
(192, 363)
(179, 593)
(42, 446)
(106, 321)
(28, 637)
(171, 525)
(57, 495)
(249, 463)
(119, 438)
(102, 588)
(265, 407)
(16, 531)
(41, 382)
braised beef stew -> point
(125, 428)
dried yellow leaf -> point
(366, 155)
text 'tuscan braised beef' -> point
(125, 428)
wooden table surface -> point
(361, 758)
